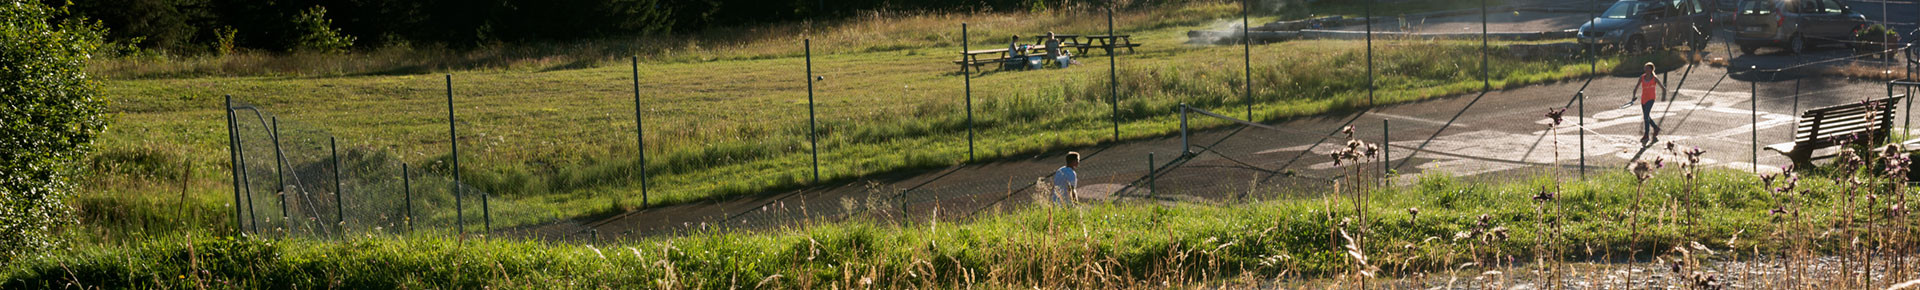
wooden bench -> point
(1870, 122)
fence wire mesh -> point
(296, 179)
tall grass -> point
(1094, 246)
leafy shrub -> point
(317, 33)
(49, 121)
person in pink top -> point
(1650, 88)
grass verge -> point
(1094, 246)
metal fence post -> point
(1113, 75)
(246, 181)
(1753, 94)
(339, 202)
(486, 213)
(1386, 146)
(279, 177)
(453, 136)
(1370, 101)
(1581, 117)
(813, 129)
(406, 183)
(1486, 70)
(966, 70)
(233, 155)
(1246, 41)
(640, 132)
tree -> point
(50, 117)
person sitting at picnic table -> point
(1054, 53)
(1016, 59)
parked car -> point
(1724, 11)
(1634, 25)
(1794, 25)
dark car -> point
(1634, 25)
(1794, 24)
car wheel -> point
(1797, 45)
(1634, 45)
(1749, 50)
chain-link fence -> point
(297, 179)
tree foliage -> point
(280, 25)
(50, 116)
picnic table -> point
(1108, 42)
(1067, 41)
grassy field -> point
(556, 139)
(1432, 227)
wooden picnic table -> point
(1108, 42)
(1067, 41)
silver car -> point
(1794, 24)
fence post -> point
(813, 129)
(233, 155)
(1246, 41)
(406, 183)
(339, 202)
(246, 182)
(1581, 117)
(1370, 101)
(279, 177)
(640, 132)
(1153, 174)
(486, 213)
(1386, 147)
(1486, 70)
(1753, 94)
(453, 136)
(1113, 75)
(966, 70)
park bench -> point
(1870, 122)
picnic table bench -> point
(1870, 122)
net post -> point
(813, 130)
(280, 177)
(1152, 173)
(453, 137)
(233, 155)
(339, 202)
(967, 71)
(640, 133)
(1486, 70)
(406, 182)
(1581, 118)
(1369, 21)
(1386, 148)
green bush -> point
(317, 33)
(50, 118)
